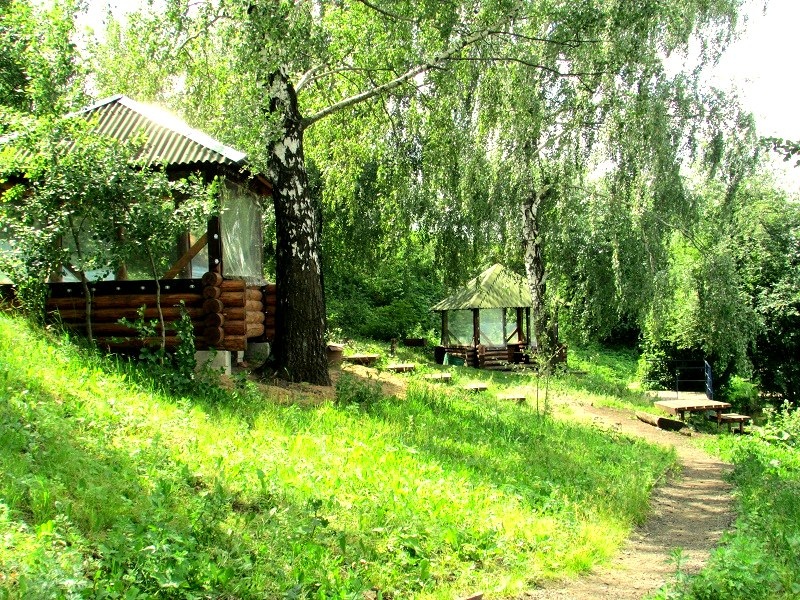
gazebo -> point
(487, 323)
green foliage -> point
(111, 487)
(178, 367)
(392, 300)
(40, 70)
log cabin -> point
(217, 273)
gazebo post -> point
(528, 325)
(445, 330)
(520, 326)
(476, 335)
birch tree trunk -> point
(300, 327)
(535, 270)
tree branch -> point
(570, 44)
(310, 77)
(307, 78)
(386, 13)
(533, 65)
(397, 81)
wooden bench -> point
(734, 418)
(401, 367)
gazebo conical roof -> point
(496, 287)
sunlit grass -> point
(108, 482)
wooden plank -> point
(74, 289)
(215, 246)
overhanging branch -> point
(399, 80)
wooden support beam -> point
(186, 258)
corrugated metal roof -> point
(170, 141)
(496, 287)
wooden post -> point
(445, 330)
(521, 336)
(476, 327)
(215, 246)
(528, 326)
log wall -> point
(226, 314)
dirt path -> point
(689, 512)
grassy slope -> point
(111, 488)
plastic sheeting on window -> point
(459, 327)
(493, 327)
(242, 247)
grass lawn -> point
(113, 486)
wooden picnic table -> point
(681, 407)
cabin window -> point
(240, 222)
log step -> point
(401, 367)
(366, 360)
(475, 387)
(438, 376)
(660, 422)
(517, 397)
